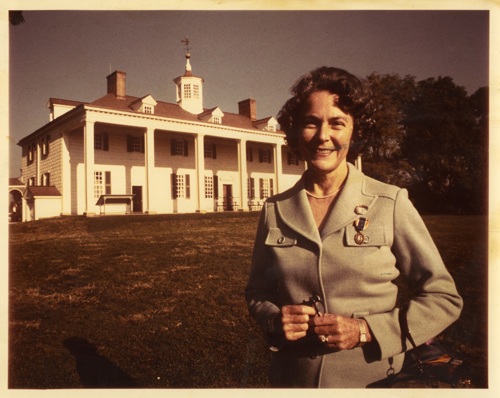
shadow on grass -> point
(95, 370)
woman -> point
(328, 250)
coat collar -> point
(295, 211)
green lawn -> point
(157, 301)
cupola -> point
(189, 89)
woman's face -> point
(325, 133)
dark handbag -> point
(431, 365)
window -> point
(187, 91)
(135, 143)
(46, 179)
(292, 158)
(148, 109)
(196, 91)
(209, 187)
(249, 155)
(102, 183)
(217, 119)
(179, 147)
(101, 141)
(265, 156)
(98, 184)
(266, 187)
(210, 151)
(271, 128)
(181, 186)
(31, 181)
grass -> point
(157, 301)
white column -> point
(278, 167)
(149, 163)
(242, 168)
(66, 175)
(199, 147)
(88, 160)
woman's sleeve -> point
(435, 303)
(261, 288)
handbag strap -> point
(405, 330)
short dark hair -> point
(354, 99)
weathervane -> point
(186, 42)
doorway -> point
(137, 192)
(227, 192)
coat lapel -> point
(293, 208)
(295, 211)
(344, 211)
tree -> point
(441, 146)
(480, 108)
(384, 137)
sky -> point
(240, 54)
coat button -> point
(281, 240)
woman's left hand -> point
(341, 332)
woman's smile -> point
(325, 134)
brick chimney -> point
(248, 108)
(116, 84)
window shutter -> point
(172, 147)
(45, 145)
(270, 156)
(143, 140)
(271, 188)
(261, 156)
(185, 148)
(188, 186)
(105, 142)
(214, 151)
(289, 157)
(216, 186)
(107, 182)
(173, 180)
(252, 188)
(129, 143)
(261, 187)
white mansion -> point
(121, 154)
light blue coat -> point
(293, 261)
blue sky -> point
(240, 54)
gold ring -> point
(323, 338)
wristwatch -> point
(362, 333)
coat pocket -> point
(373, 236)
(278, 238)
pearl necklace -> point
(323, 197)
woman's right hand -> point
(295, 320)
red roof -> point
(59, 101)
(162, 109)
(42, 191)
(15, 181)
(170, 110)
